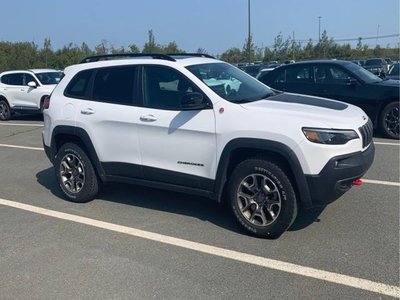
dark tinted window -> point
(29, 78)
(374, 62)
(77, 88)
(331, 74)
(49, 77)
(114, 85)
(165, 87)
(13, 79)
(295, 74)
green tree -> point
(134, 48)
(248, 52)
(151, 46)
(233, 55)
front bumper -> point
(337, 176)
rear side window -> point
(78, 86)
(13, 79)
(115, 85)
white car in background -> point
(24, 91)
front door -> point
(177, 146)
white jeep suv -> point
(160, 121)
(24, 91)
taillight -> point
(46, 102)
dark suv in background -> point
(378, 66)
(344, 81)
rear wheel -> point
(389, 120)
(75, 174)
(5, 112)
(262, 198)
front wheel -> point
(75, 174)
(5, 112)
(262, 198)
(389, 120)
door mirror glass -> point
(193, 101)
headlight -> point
(329, 136)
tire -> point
(389, 120)
(5, 111)
(75, 174)
(262, 212)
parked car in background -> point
(24, 91)
(377, 66)
(394, 72)
(251, 69)
(389, 62)
(344, 81)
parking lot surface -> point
(141, 243)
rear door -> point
(108, 114)
(14, 88)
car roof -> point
(30, 70)
(43, 70)
(132, 59)
(321, 61)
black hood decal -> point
(308, 100)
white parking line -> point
(381, 182)
(337, 278)
(387, 144)
(21, 147)
(21, 124)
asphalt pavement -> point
(141, 243)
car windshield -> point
(48, 78)
(394, 70)
(231, 83)
(373, 62)
(363, 74)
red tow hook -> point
(357, 181)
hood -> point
(389, 82)
(314, 111)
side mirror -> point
(32, 84)
(193, 101)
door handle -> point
(148, 118)
(87, 111)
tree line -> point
(23, 55)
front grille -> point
(366, 133)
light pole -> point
(319, 29)
(249, 34)
(319, 36)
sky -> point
(214, 25)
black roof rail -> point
(126, 55)
(191, 54)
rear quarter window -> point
(78, 86)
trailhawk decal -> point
(190, 163)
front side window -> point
(28, 78)
(115, 85)
(163, 88)
(230, 83)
